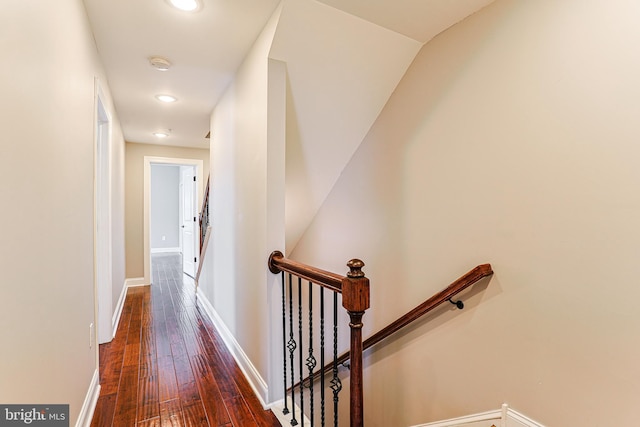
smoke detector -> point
(160, 63)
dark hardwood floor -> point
(168, 366)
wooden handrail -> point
(473, 276)
(278, 263)
(449, 292)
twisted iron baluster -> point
(311, 360)
(292, 347)
(284, 344)
(301, 358)
(322, 355)
(336, 384)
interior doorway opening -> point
(103, 234)
(183, 191)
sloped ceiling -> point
(341, 71)
(420, 20)
(343, 63)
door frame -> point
(103, 234)
(190, 187)
(148, 160)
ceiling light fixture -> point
(186, 5)
(162, 133)
(160, 63)
(166, 98)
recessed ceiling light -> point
(162, 133)
(186, 5)
(166, 98)
(160, 63)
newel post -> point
(355, 299)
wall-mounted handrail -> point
(446, 294)
(465, 281)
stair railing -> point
(204, 215)
(354, 288)
(445, 295)
(205, 231)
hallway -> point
(167, 366)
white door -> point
(189, 221)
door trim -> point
(103, 258)
(148, 161)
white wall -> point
(165, 204)
(512, 139)
(239, 204)
(47, 186)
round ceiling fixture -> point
(160, 63)
(186, 5)
(166, 98)
(164, 133)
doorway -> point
(189, 203)
(103, 256)
(189, 220)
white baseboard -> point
(516, 419)
(90, 401)
(285, 420)
(164, 250)
(495, 416)
(256, 381)
(504, 417)
(135, 281)
(128, 283)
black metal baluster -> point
(292, 348)
(284, 344)
(300, 356)
(336, 384)
(322, 355)
(311, 360)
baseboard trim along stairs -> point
(504, 417)
(285, 420)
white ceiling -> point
(206, 47)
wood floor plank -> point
(127, 400)
(153, 422)
(171, 413)
(148, 400)
(241, 415)
(214, 405)
(194, 415)
(104, 411)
